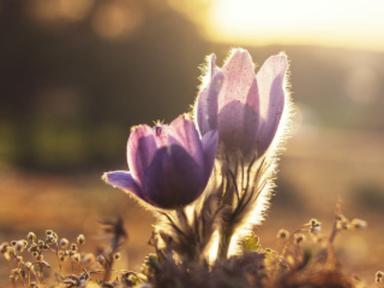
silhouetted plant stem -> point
(224, 242)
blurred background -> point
(76, 74)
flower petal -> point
(210, 141)
(207, 104)
(182, 131)
(212, 67)
(141, 149)
(239, 76)
(122, 180)
(238, 126)
(173, 179)
(270, 80)
(238, 102)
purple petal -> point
(210, 141)
(251, 119)
(239, 76)
(212, 67)
(173, 179)
(182, 131)
(141, 149)
(238, 101)
(238, 126)
(207, 104)
(270, 80)
(122, 180)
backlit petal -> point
(270, 79)
(182, 131)
(141, 148)
(173, 179)
(122, 180)
(210, 141)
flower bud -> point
(169, 164)
(245, 107)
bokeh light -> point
(59, 10)
(347, 23)
(116, 19)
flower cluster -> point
(211, 174)
(170, 164)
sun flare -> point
(298, 22)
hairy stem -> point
(224, 242)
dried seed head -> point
(80, 239)
(282, 234)
(314, 226)
(40, 257)
(358, 224)
(101, 260)
(51, 239)
(49, 232)
(40, 244)
(299, 238)
(117, 256)
(9, 253)
(63, 243)
(341, 217)
(20, 246)
(342, 225)
(341, 222)
(379, 276)
(29, 265)
(76, 257)
(4, 247)
(314, 222)
(73, 247)
(31, 237)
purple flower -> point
(169, 164)
(244, 107)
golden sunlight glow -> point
(347, 23)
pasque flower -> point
(243, 106)
(169, 164)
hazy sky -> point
(349, 23)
